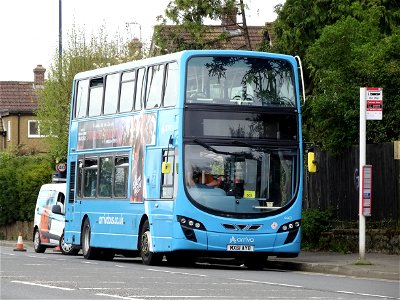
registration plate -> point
(240, 247)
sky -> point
(29, 28)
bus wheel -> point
(67, 249)
(88, 251)
(148, 257)
(37, 246)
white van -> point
(49, 221)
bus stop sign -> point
(374, 104)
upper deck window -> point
(127, 91)
(171, 82)
(81, 98)
(111, 94)
(155, 78)
(96, 96)
(253, 81)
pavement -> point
(376, 265)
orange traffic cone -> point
(20, 244)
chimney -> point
(39, 75)
(229, 21)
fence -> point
(335, 185)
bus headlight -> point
(291, 226)
(188, 225)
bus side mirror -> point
(166, 167)
(312, 164)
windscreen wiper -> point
(208, 147)
(263, 148)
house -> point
(231, 34)
(18, 105)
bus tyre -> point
(37, 246)
(88, 251)
(148, 257)
(67, 249)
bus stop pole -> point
(361, 217)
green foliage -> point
(357, 47)
(20, 180)
(344, 45)
(81, 54)
(314, 223)
(189, 30)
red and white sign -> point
(374, 98)
(61, 167)
(366, 190)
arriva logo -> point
(245, 239)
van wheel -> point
(67, 249)
(88, 251)
(39, 248)
(148, 257)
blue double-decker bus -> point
(187, 155)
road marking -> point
(179, 273)
(99, 288)
(119, 297)
(362, 294)
(269, 283)
(43, 285)
(164, 297)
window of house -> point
(8, 131)
(33, 129)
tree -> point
(353, 52)
(344, 45)
(21, 176)
(189, 30)
(81, 54)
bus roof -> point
(173, 57)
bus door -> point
(73, 207)
(152, 173)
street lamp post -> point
(60, 29)
(140, 28)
